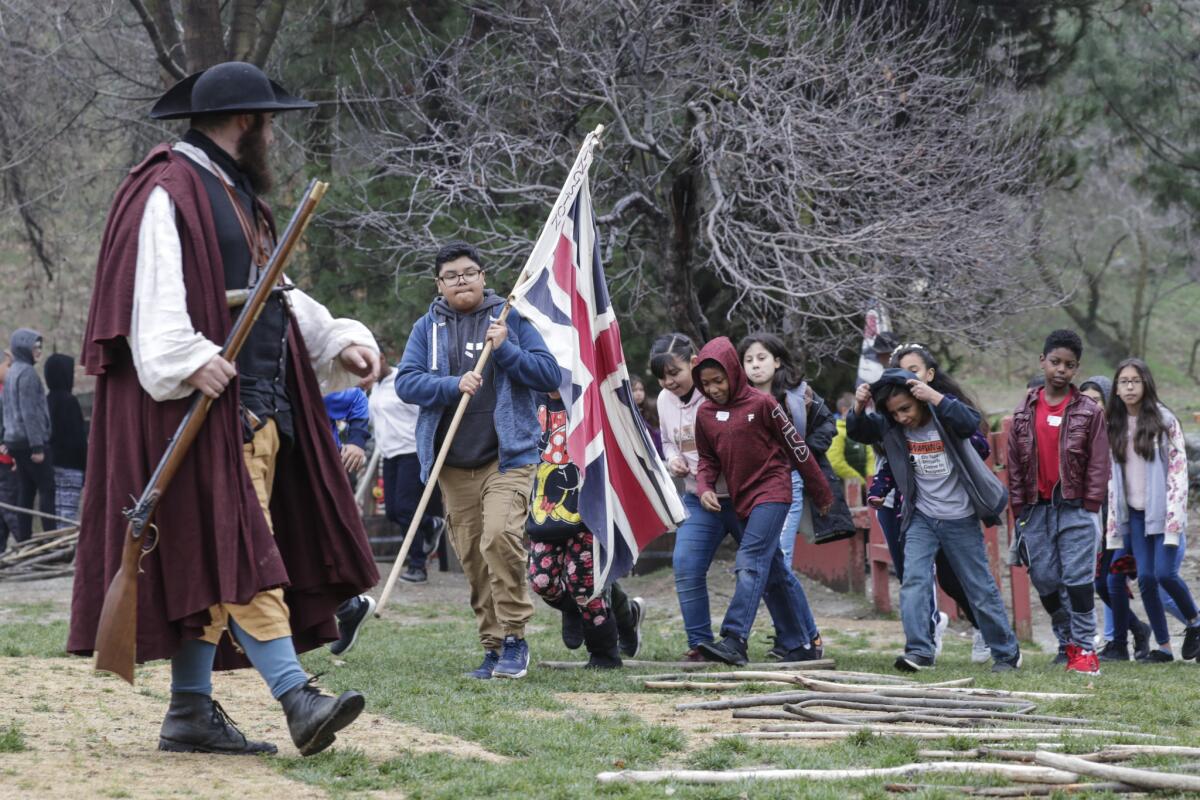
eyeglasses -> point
(1129, 382)
(460, 278)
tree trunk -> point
(682, 301)
(1139, 315)
(203, 36)
(243, 30)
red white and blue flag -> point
(627, 497)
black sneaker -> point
(776, 653)
(1010, 665)
(485, 670)
(1061, 658)
(1191, 643)
(913, 663)
(1157, 656)
(730, 650)
(414, 575)
(1141, 638)
(350, 618)
(1114, 651)
(631, 639)
(800, 654)
(818, 648)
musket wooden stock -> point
(116, 637)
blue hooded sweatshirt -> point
(523, 367)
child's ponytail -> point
(667, 348)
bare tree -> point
(784, 166)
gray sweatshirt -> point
(25, 422)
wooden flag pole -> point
(589, 143)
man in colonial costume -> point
(259, 537)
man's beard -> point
(252, 156)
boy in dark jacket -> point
(25, 430)
(746, 436)
(1058, 471)
(947, 490)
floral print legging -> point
(564, 569)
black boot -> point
(195, 723)
(601, 641)
(313, 718)
(629, 613)
(572, 621)
(1141, 637)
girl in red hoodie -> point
(744, 435)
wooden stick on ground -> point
(1027, 790)
(1142, 778)
(697, 666)
(710, 686)
(1024, 756)
(1124, 752)
(1014, 772)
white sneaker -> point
(980, 652)
(939, 629)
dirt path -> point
(92, 737)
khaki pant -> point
(265, 617)
(485, 514)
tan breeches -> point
(265, 617)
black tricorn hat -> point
(233, 87)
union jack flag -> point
(627, 498)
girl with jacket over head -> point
(672, 357)
(68, 434)
(918, 360)
(948, 491)
(745, 436)
(1147, 504)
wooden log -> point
(819, 685)
(756, 714)
(822, 685)
(709, 686)
(1134, 750)
(786, 730)
(1026, 790)
(697, 666)
(902, 716)
(790, 676)
(953, 713)
(1023, 773)
(925, 702)
(1142, 778)
(1025, 756)
(772, 699)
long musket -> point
(116, 637)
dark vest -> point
(262, 363)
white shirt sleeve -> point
(166, 347)
(325, 338)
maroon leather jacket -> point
(1084, 458)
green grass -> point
(39, 639)
(412, 674)
(12, 739)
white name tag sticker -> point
(1055, 422)
(722, 416)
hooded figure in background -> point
(25, 431)
(68, 434)
(8, 467)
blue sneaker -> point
(490, 659)
(514, 658)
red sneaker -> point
(1082, 661)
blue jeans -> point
(696, 542)
(402, 490)
(760, 570)
(962, 542)
(1158, 567)
(889, 523)
(791, 525)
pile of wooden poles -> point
(833, 705)
(50, 554)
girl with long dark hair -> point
(1147, 504)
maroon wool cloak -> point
(214, 544)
